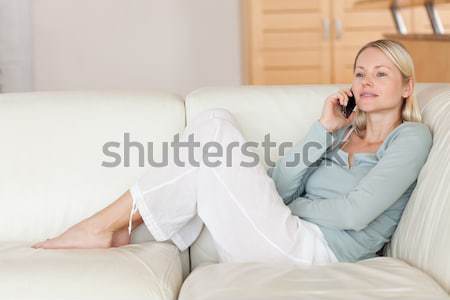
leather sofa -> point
(55, 171)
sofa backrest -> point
(286, 112)
(422, 237)
(52, 152)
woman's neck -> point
(377, 129)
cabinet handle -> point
(338, 26)
(326, 29)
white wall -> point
(177, 45)
(15, 45)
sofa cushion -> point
(377, 278)
(150, 270)
(51, 158)
(422, 237)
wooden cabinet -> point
(314, 41)
(286, 41)
(430, 51)
(306, 41)
(353, 28)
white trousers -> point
(239, 205)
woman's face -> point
(377, 83)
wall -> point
(176, 45)
(15, 46)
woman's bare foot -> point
(79, 236)
(107, 228)
(76, 238)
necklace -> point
(347, 137)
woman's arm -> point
(292, 168)
(396, 171)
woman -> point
(342, 203)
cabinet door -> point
(286, 41)
(352, 28)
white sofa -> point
(52, 177)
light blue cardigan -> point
(356, 208)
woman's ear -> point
(408, 88)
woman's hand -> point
(332, 118)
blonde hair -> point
(400, 57)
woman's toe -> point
(38, 245)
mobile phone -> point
(351, 103)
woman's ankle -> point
(112, 218)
